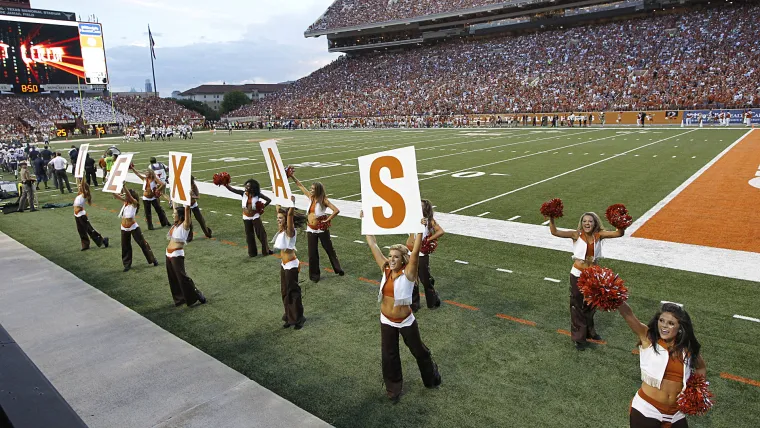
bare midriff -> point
(312, 220)
(78, 210)
(248, 212)
(127, 222)
(287, 256)
(174, 245)
(582, 264)
(667, 393)
(394, 313)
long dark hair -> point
(85, 191)
(255, 187)
(137, 201)
(685, 339)
(299, 218)
(427, 212)
(319, 193)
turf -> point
(496, 372)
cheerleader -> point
(285, 241)
(396, 316)
(152, 186)
(317, 216)
(182, 286)
(587, 250)
(194, 195)
(668, 355)
(130, 229)
(252, 211)
(85, 229)
(432, 232)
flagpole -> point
(152, 67)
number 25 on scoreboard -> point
(390, 193)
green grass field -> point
(496, 372)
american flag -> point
(152, 43)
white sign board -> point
(79, 171)
(390, 193)
(280, 184)
(118, 175)
(180, 167)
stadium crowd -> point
(705, 58)
(348, 13)
(96, 111)
(154, 110)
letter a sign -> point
(390, 193)
(79, 170)
(280, 185)
(179, 177)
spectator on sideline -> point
(27, 193)
(40, 172)
(60, 164)
(89, 171)
(73, 154)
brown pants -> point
(27, 194)
(86, 231)
(314, 240)
(126, 247)
(581, 314)
(182, 286)
(427, 280)
(391, 358)
(159, 211)
(255, 229)
(291, 296)
(201, 221)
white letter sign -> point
(280, 184)
(390, 193)
(79, 171)
(118, 174)
(179, 177)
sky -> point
(202, 41)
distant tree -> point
(233, 101)
(200, 108)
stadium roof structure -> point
(223, 89)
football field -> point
(500, 339)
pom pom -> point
(157, 193)
(322, 224)
(602, 288)
(428, 247)
(260, 207)
(290, 170)
(696, 398)
(222, 178)
(553, 208)
(618, 216)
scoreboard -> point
(44, 51)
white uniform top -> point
(152, 188)
(178, 234)
(79, 202)
(579, 252)
(158, 169)
(254, 200)
(402, 295)
(128, 211)
(284, 242)
(319, 211)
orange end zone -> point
(720, 205)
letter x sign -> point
(390, 193)
(180, 169)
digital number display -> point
(30, 89)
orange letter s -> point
(396, 201)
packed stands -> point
(703, 58)
(96, 111)
(349, 13)
(154, 110)
(10, 125)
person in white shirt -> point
(84, 228)
(59, 165)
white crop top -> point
(254, 201)
(79, 203)
(178, 233)
(128, 211)
(653, 365)
(283, 242)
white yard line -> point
(655, 209)
(484, 214)
(741, 317)
(564, 173)
(514, 218)
(552, 280)
(461, 262)
(504, 270)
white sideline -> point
(655, 209)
